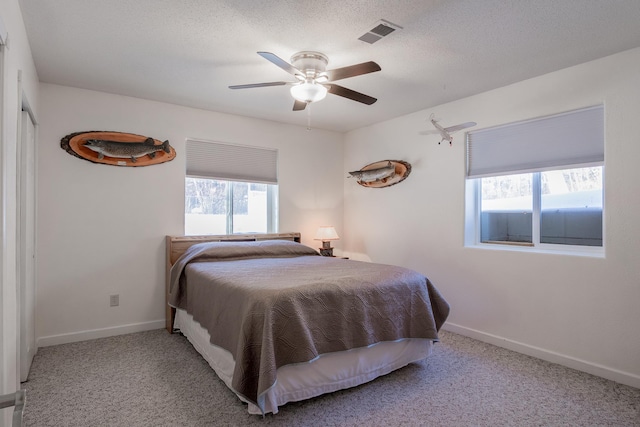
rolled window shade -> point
(574, 138)
(207, 159)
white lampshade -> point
(308, 92)
(326, 233)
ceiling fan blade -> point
(352, 70)
(350, 94)
(258, 85)
(281, 63)
(299, 105)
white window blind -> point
(206, 159)
(568, 139)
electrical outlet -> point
(114, 300)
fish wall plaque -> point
(117, 148)
(384, 173)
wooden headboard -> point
(177, 245)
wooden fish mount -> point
(384, 173)
(117, 148)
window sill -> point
(583, 251)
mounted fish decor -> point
(382, 174)
(117, 148)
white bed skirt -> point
(325, 374)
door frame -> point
(26, 201)
(3, 357)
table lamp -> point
(326, 233)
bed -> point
(279, 323)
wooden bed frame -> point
(177, 245)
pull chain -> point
(308, 116)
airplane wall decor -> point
(445, 133)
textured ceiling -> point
(188, 52)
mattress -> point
(324, 374)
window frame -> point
(472, 226)
(272, 206)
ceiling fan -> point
(313, 80)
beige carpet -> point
(156, 379)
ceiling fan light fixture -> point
(308, 92)
(322, 78)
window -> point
(506, 209)
(570, 207)
(215, 206)
(538, 183)
(230, 189)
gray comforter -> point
(274, 303)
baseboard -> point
(99, 333)
(621, 377)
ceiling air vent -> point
(382, 29)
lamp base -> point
(326, 251)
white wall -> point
(578, 311)
(102, 228)
(17, 58)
